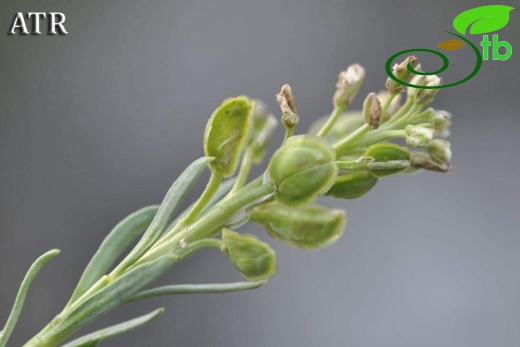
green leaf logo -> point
(483, 19)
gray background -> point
(98, 123)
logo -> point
(479, 20)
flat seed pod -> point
(302, 169)
(310, 227)
(387, 153)
(251, 257)
(226, 133)
(352, 185)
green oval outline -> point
(445, 65)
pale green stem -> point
(326, 128)
(414, 111)
(385, 116)
(289, 131)
(348, 141)
(211, 222)
(389, 99)
(211, 188)
(245, 170)
(380, 136)
(403, 111)
(351, 164)
(365, 131)
(193, 247)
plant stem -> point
(245, 170)
(351, 164)
(325, 129)
(343, 145)
(211, 188)
(212, 221)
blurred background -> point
(98, 123)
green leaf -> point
(226, 133)
(167, 210)
(214, 288)
(22, 293)
(483, 19)
(95, 338)
(114, 244)
(112, 295)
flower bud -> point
(421, 160)
(387, 159)
(417, 136)
(302, 169)
(286, 101)
(372, 110)
(261, 131)
(421, 95)
(251, 257)
(310, 227)
(352, 185)
(348, 85)
(226, 132)
(439, 150)
(402, 73)
(394, 106)
(441, 120)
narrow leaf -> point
(95, 338)
(483, 19)
(451, 45)
(22, 293)
(114, 294)
(114, 244)
(213, 288)
(167, 210)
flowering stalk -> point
(343, 155)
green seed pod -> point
(302, 169)
(226, 132)
(311, 227)
(387, 159)
(352, 185)
(252, 257)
